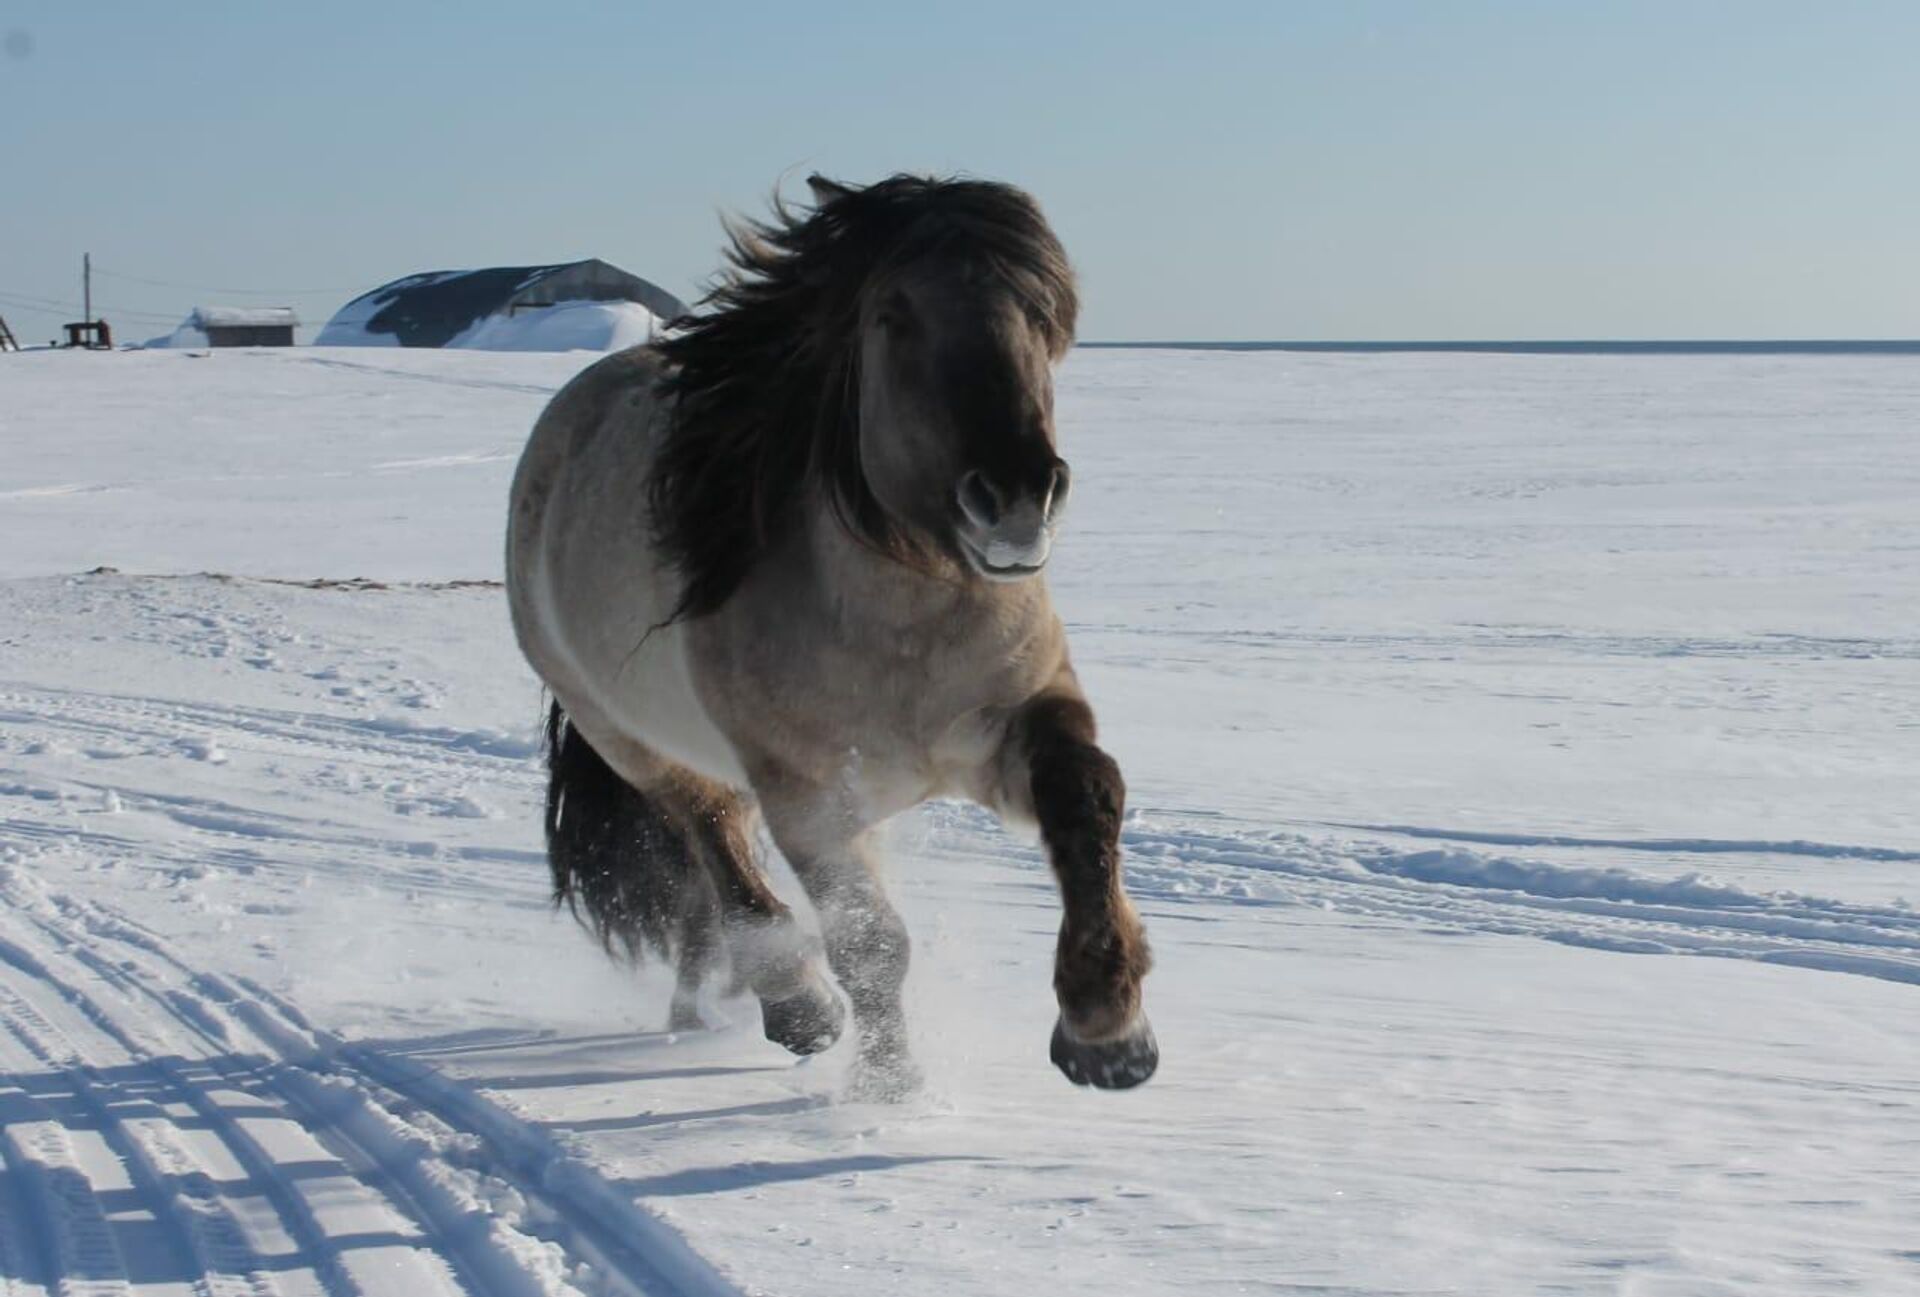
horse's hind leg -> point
(628, 860)
(620, 862)
(798, 1010)
(655, 857)
(699, 951)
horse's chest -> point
(885, 720)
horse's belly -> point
(653, 699)
(587, 596)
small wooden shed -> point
(245, 326)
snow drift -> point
(564, 326)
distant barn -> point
(245, 326)
(435, 308)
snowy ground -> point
(1522, 754)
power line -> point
(63, 303)
(50, 306)
(150, 317)
(35, 304)
(215, 288)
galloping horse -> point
(785, 565)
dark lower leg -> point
(761, 936)
(798, 1010)
(695, 962)
(695, 953)
(1079, 797)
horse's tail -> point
(621, 863)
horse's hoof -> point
(893, 1079)
(1118, 1064)
(805, 1023)
(685, 1017)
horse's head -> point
(956, 411)
(893, 345)
(959, 326)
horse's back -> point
(589, 597)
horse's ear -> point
(825, 190)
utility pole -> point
(86, 284)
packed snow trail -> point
(264, 1157)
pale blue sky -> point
(1217, 170)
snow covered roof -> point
(564, 326)
(243, 317)
(435, 308)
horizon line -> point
(1747, 346)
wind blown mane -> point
(765, 380)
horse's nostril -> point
(979, 501)
(1057, 489)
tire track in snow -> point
(165, 721)
(21, 1268)
(1665, 846)
(78, 1254)
(338, 1088)
(227, 1262)
(77, 1244)
(237, 842)
(436, 765)
(1599, 908)
(1462, 890)
(167, 1164)
(207, 1231)
(603, 1223)
(496, 875)
(360, 1171)
(639, 1254)
(74, 1245)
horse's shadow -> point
(748, 1175)
(648, 1064)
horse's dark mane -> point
(765, 381)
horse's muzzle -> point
(1008, 536)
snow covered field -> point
(1522, 753)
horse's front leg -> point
(1078, 797)
(866, 940)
